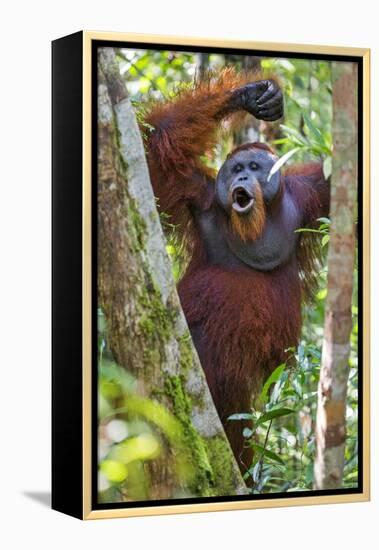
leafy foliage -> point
(133, 432)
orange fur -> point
(194, 113)
(250, 226)
(186, 129)
(243, 319)
(248, 319)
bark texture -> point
(332, 390)
(146, 327)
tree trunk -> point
(332, 390)
(249, 132)
(146, 327)
(203, 64)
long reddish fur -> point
(248, 318)
(186, 129)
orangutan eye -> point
(238, 168)
(254, 166)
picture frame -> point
(75, 175)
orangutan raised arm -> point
(184, 129)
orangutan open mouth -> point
(242, 200)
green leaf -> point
(142, 447)
(255, 472)
(267, 453)
(325, 240)
(294, 134)
(274, 398)
(274, 413)
(274, 377)
(314, 130)
(317, 149)
(279, 141)
(111, 372)
(115, 471)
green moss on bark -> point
(137, 225)
(186, 352)
(222, 463)
(211, 458)
(193, 443)
(156, 320)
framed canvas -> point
(210, 275)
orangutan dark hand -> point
(263, 99)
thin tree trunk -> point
(249, 132)
(203, 64)
(332, 390)
(146, 327)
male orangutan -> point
(242, 290)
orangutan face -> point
(244, 187)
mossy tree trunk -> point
(146, 327)
(332, 390)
